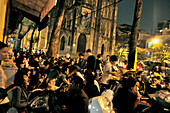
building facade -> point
(88, 26)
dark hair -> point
(81, 54)
(89, 77)
(25, 70)
(99, 55)
(128, 82)
(113, 58)
(167, 80)
(89, 50)
(2, 45)
(19, 80)
(78, 81)
(64, 68)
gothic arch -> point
(62, 43)
(102, 49)
(81, 45)
(69, 40)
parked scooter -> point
(159, 103)
(103, 103)
(46, 101)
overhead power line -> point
(97, 9)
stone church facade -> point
(80, 33)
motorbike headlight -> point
(90, 106)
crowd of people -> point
(84, 79)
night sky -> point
(153, 11)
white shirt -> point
(3, 79)
(106, 76)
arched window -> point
(69, 40)
(102, 50)
(62, 43)
(81, 43)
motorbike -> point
(159, 103)
(46, 101)
(103, 103)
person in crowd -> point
(110, 70)
(47, 68)
(99, 68)
(58, 55)
(90, 88)
(52, 85)
(68, 56)
(21, 66)
(125, 98)
(72, 62)
(55, 61)
(20, 93)
(4, 105)
(91, 61)
(154, 85)
(42, 79)
(81, 61)
(27, 71)
(18, 59)
(164, 69)
(26, 62)
(78, 100)
(61, 78)
(47, 61)
(167, 83)
(107, 59)
(157, 68)
(3, 55)
(36, 62)
(75, 69)
(54, 72)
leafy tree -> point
(161, 50)
(21, 33)
(142, 53)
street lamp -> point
(155, 41)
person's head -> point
(21, 79)
(27, 71)
(72, 61)
(74, 68)
(40, 58)
(167, 82)
(99, 56)
(24, 59)
(77, 81)
(52, 83)
(3, 51)
(128, 83)
(81, 55)
(36, 58)
(22, 65)
(113, 59)
(65, 70)
(89, 77)
(89, 52)
(155, 80)
(108, 57)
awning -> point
(37, 8)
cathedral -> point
(91, 25)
